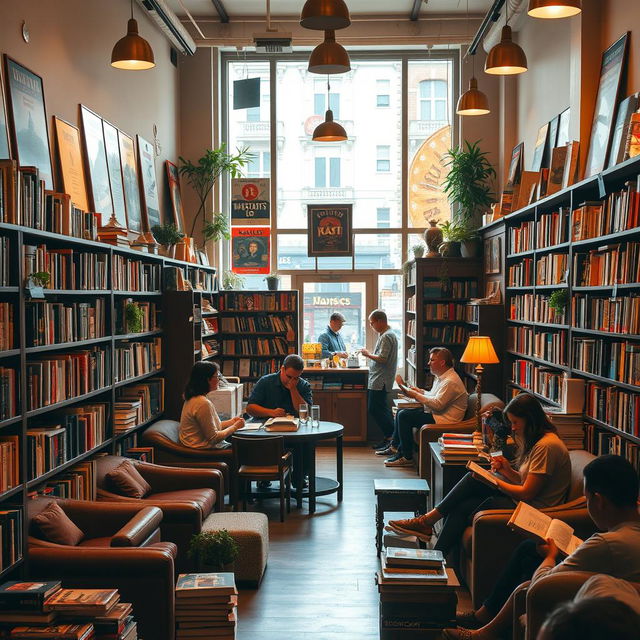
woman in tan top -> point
(200, 426)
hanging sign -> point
(329, 231)
(250, 248)
(250, 201)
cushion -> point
(127, 481)
(56, 526)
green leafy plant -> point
(213, 549)
(468, 183)
(133, 316)
(40, 278)
(558, 301)
(418, 250)
(452, 231)
(232, 280)
(202, 177)
(167, 234)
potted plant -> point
(558, 301)
(418, 250)
(202, 177)
(39, 279)
(450, 248)
(468, 238)
(213, 551)
(167, 235)
(273, 280)
(468, 186)
(231, 281)
(133, 316)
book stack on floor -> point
(402, 566)
(206, 606)
(45, 610)
(457, 446)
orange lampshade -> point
(479, 350)
(554, 8)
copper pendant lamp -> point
(324, 15)
(329, 130)
(554, 8)
(506, 58)
(132, 52)
(329, 57)
(473, 102)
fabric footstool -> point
(251, 532)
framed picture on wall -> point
(330, 230)
(114, 167)
(28, 119)
(173, 176)
(150, 199)
(130, 181)
(611, 70)
(71, 167)
(515, 167)
(538, 150)
(617, 153)
(492, 261)
(5, 144)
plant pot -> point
(168, 250)
(272, 283)
(449, 249)
(433, 238)
(470, 248)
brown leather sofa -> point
(186, 497)
(119, 551)
(488, 543)
(431, 432)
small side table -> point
(404, 494)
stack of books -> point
(403, 566)
(206, 606)
(45, 610)
(570, 427)
(457, 446)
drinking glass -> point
(315, 415)
(303, 413)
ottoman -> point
(251, 532)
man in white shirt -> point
(445, 402)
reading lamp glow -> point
(479, 351)
(506, 58)
(473, 102)
(551, 9)
(329, 131)
(132, 52)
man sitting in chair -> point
(446, 402)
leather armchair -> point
(431, 432)
(186, 497)
(488, 543)
(143, 574)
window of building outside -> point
(387, 221)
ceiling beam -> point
(222, 12)
(415, 11)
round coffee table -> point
(303, 443)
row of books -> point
(260, 323)
(528, 307)
(5, 277)
(210, 347)
(55, 322)
(136, 358)
(619, 360)
(257, 346)
(210, 325)
(280, 301)
(542, 380)
(552, 228)
(445, 311)
(76, 483)
(9, 400)
(7, 326)
(521, 273)
(446, 333)
(138, 403)
(146, 312)
(67, 268)
(130, 274)
(613, 406)
(246, 368)
(450, 288)
(522, 237)
(607, 265)
(9, 463)
(602, 442)
(203, 280)
(547, 345)
(616, 315)
(411, 303)
(411, 328)
(10, 537)
(551, 269)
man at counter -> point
(384, 363)
(331, 340)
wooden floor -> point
(319, 583)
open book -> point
(285, 423)
(484, 475)
(538, 525)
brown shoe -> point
(412, 527)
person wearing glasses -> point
(331, 340)
(200, 426)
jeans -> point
(406, 421)
(379, 409)
(461, 503)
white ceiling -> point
(236, 9)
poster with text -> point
(330, 230)
(250, 201)
(250, 249)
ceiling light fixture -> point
(550, 9)
(506, 58)
(324, 15)
(329, 130)
(472, 102)
(329, 57)
(132, 52)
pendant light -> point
(554, 8)
(472, 102)
(329, 56)
(506, 58)
(132, 52)
(329, 131)
(323, 15)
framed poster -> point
(552, 141)
(114, 167)
(28, 120)
(329, 231)
(538, 150)
(96, 163)
(173, 176)
(250, 201)
(5, 144)
(70, 157)
(515, 167)
(250, 249)
(563, 127)
(130, 181)
(150, 199)
(623, 120)
(492, 262)
(613, 61)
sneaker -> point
(389, 451)
(398, 462)
(383, 444)
(412, 527)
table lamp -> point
(479, 351)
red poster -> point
(250, 249)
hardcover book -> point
(201, 584)
(27, 595)
(420, 558)
(54, 632)
(83, 601)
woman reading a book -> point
(200, 427)
(542, 478)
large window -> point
(433, 99)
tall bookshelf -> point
(119, 375)
(257, 330)
(585, 241)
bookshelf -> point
(585, 242)
(76, 378)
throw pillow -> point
(127, 481)
(56, 526)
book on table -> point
(205, 584)
(417, 576)
(409, 558)
(26, 595)
(83, 601)
(482, 474)
(285, 423)
(541, 527)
